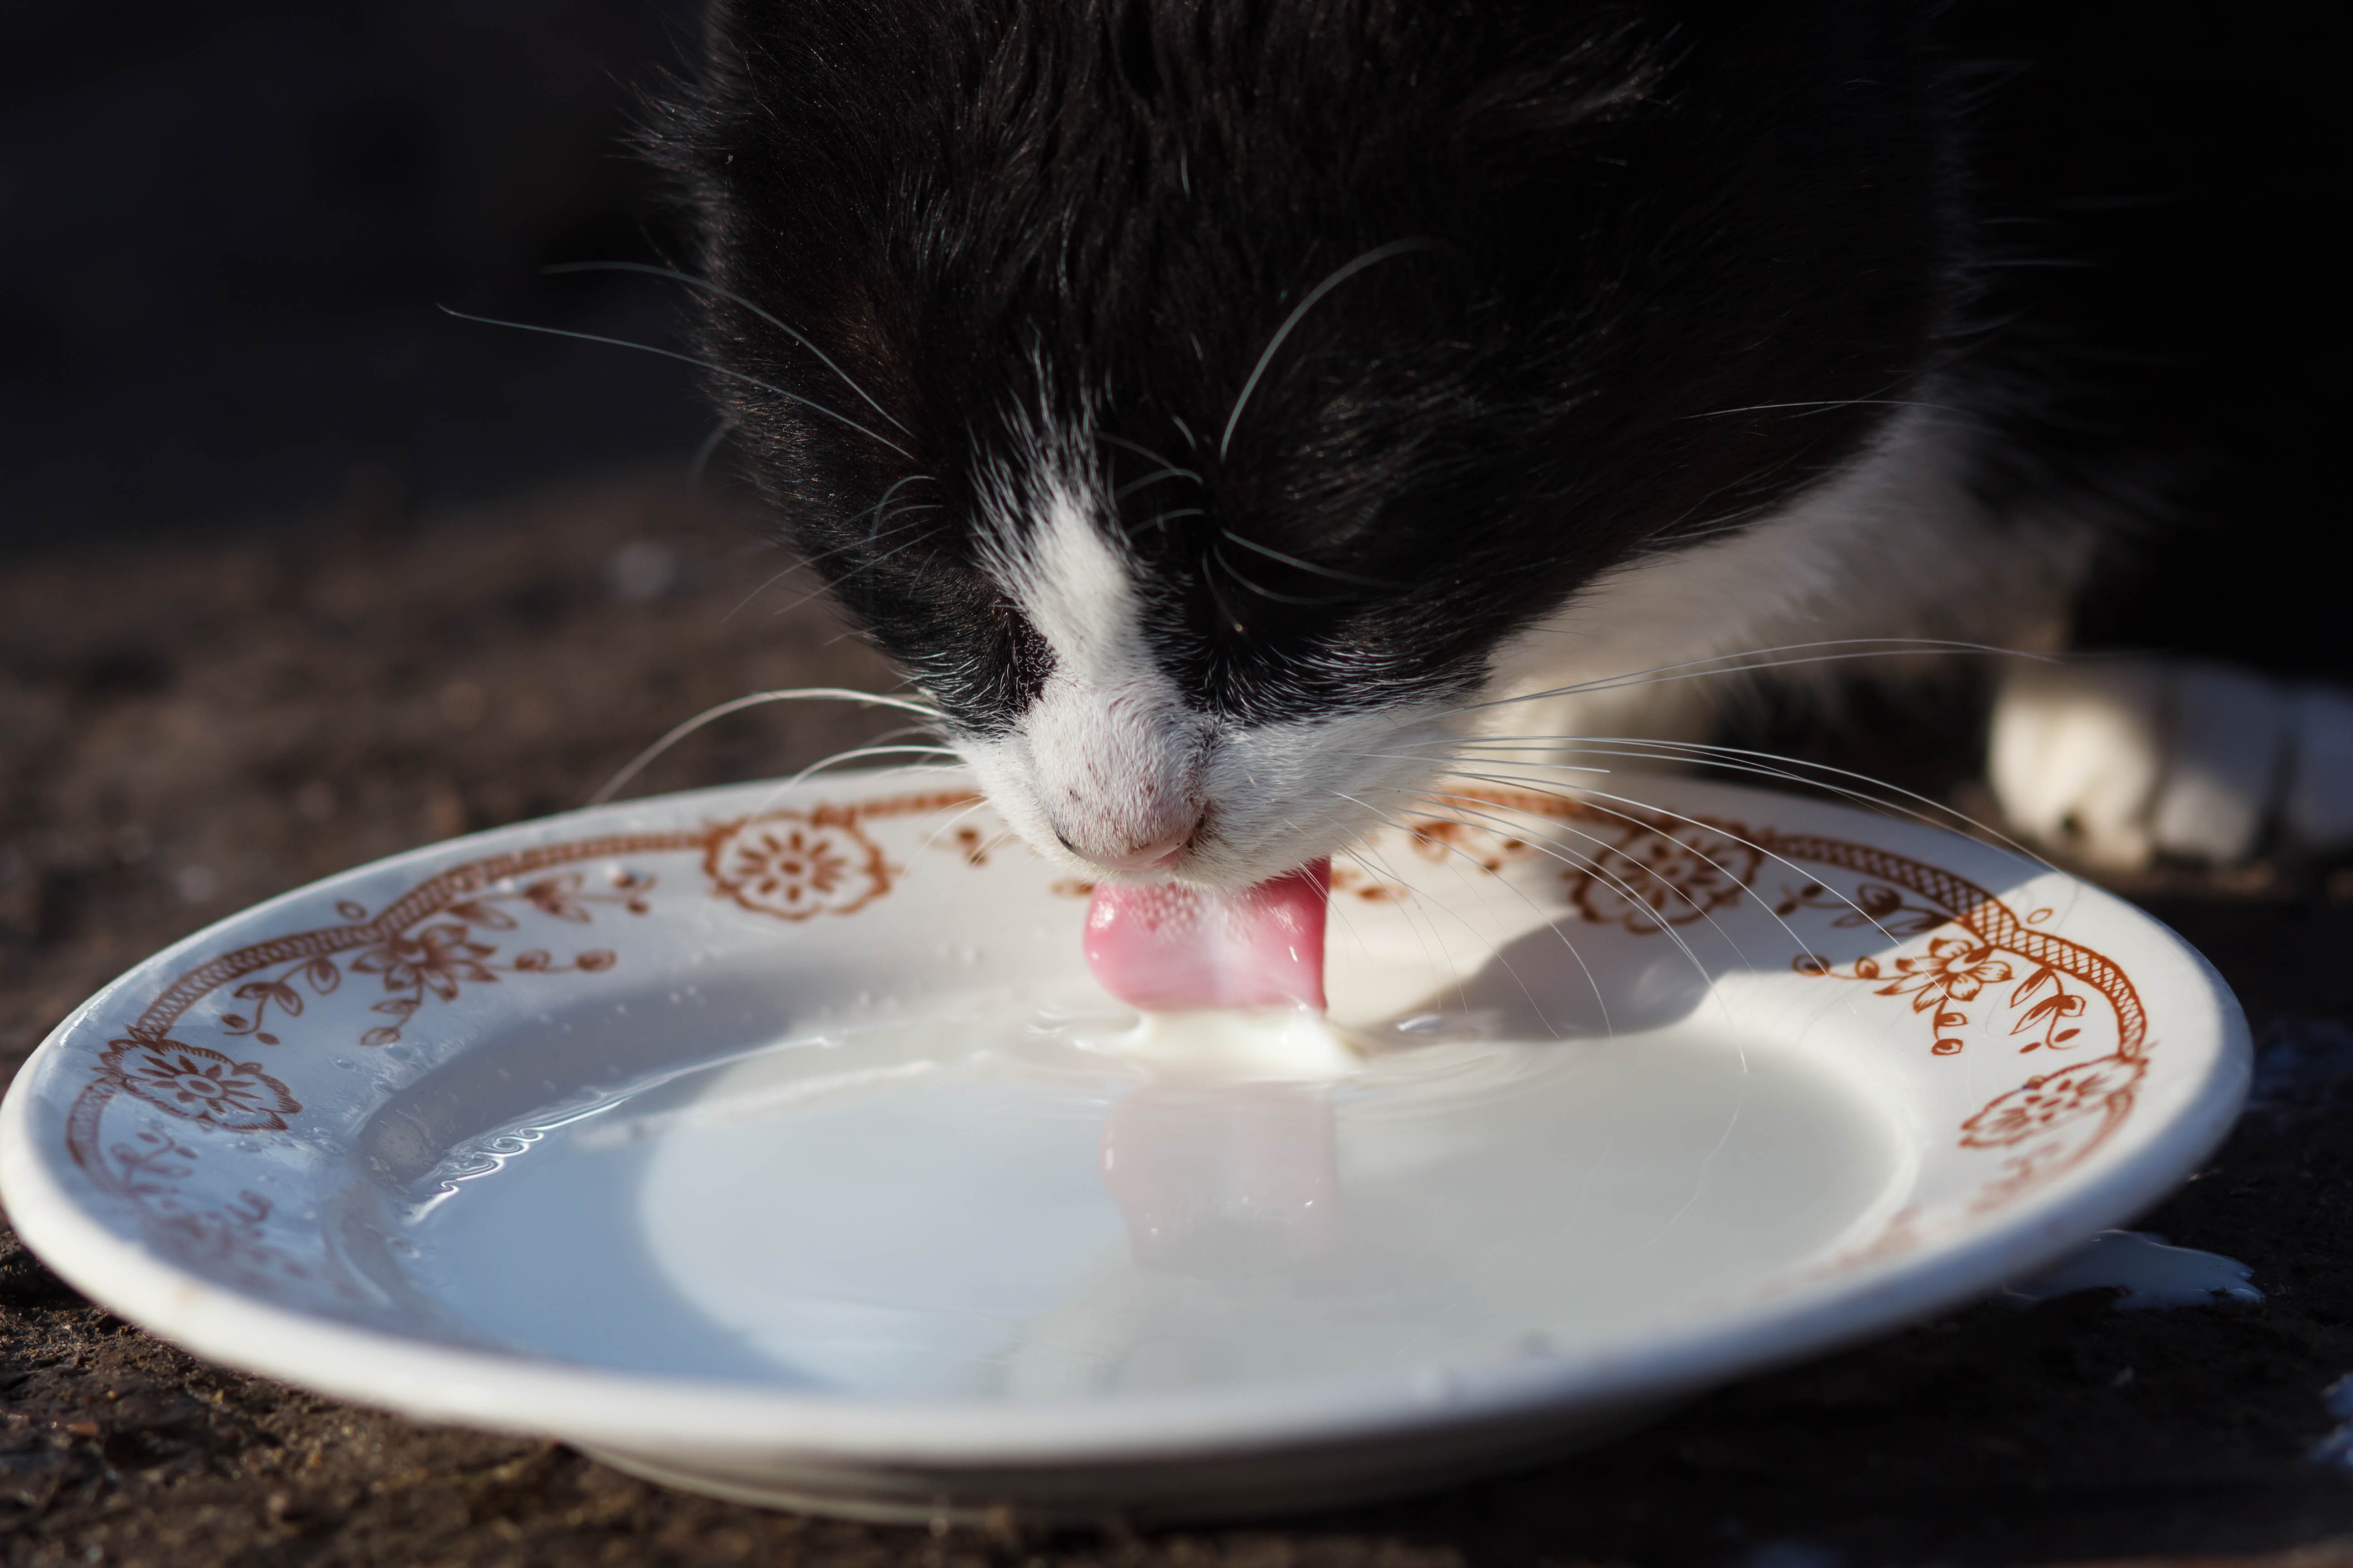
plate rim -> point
(518, 1392)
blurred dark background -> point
(228, 227)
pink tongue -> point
(1167, 948)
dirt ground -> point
(184, 730)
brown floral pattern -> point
(1642, 871)
(437, 954)
(2047, 1102)
(1955, 969)
(1647, 873)
(1655, 870)
(428, 943)
(199, 1085)
(795, 867)
(436, 958)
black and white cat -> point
(1218, 406)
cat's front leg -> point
(2120, 762)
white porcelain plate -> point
(775, 1141)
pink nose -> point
(1157, 855)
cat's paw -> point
(2118, 762)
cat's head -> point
(1194, 394)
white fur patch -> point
(1893, 547)
(2077, 756)
(1104, 763)
(2317, 808)
(2119, 761)
(1110, 762)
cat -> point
(1241, 418)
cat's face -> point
(1193, 398)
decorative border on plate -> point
(1649, 872)
(1646, 871)
(426, 946)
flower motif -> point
(793, 867)
(437, 958)
(200, 1085)
(1954, 967)
(559, 896)
(2042, 1103)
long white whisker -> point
(1339, 276)
(1171, 472)
(1692, 669)
(933, 837)
(1713, 863)
(1712, 755)
(705, 283)
(1391, 872)
(1832, 403)
(637, 765)
(703, 454)
(854, 752)
(1549, 922)
(1780, 860)
(684, 359)
(823, 588)
(776, 793)
(1377, 868)
(1593, 867)
(789, 568)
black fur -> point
(1655, 269)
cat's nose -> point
(1158, 855)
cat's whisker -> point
(704, 453)
(946, 887)
(707, 285)
(876, 511)
(1169, 472)
(905, 729)
(1146, 453)
(790, 567)
(1708, 754)
(1832, 403)
(931, 839)
(1591, 865)
(1386, 870)
(768, 801)
(1377, 867)
(823, 588)
(1581, 799)
(1756, 659)
(1550, 923)
(638, 763)
(1456, 756)
(684, 359)
(855, 752)
(1350, 578)
(1338, 276)
(1338, 909)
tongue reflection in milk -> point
(1224, 1181)
(1223, 1172)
